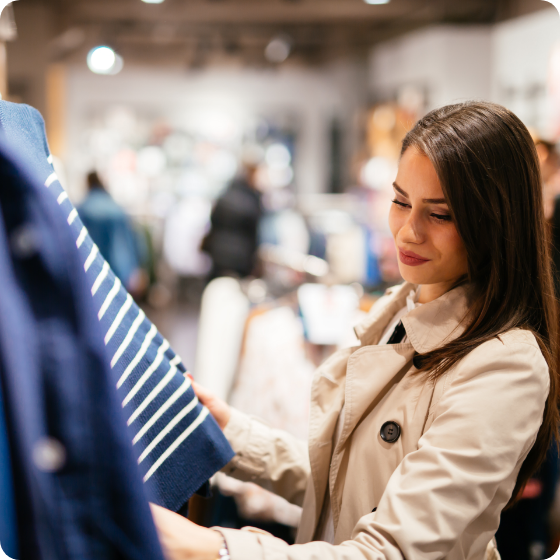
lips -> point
(411, 259)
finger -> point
(203, 394)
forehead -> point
(417, 176)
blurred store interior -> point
(194, 110)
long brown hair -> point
(487, 165)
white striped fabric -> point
(162, 410)
(118, 319)
(100, 278)
(141, 353)
(129, 336)
(165, 431)
(81, 237)
(109, 299)
(147, 374)
(91, 257)
(167, 453)
(177, 436)
(72, 216)
(51, 179)
(153, 394)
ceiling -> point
(195, 33)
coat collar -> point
(428, 327)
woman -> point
(423, 434)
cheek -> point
(453, 250)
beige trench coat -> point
(438, 491)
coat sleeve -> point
(466, 464)
(268, 457)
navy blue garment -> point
(178, 444)
(78, 492)
(8, 525)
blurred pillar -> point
(8, 32)
(3, 71)
(56, 108)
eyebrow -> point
(428, 200)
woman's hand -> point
(183, 540)
(218, 408)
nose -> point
(412, 230)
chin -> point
(414, 276)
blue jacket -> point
(177, 443)
(8, 523)
(112, 231)
(78, 493)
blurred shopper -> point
(423, 435)
(112, 231)
(233, 238)
(549, 161)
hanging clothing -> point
(78, 493)
(178, 444)
(8, 524)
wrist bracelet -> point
(223, 552)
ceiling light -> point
(376, 2)
(104, 60)
(278, 50)
(152, 1)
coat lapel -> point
(371, 372)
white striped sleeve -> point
(129, 336)
(184, 412)
(91, 257)
(81, 237)
(50, 180)
(110, 297)
(148, 373)
(169, 451)
(99, 280)
(153, 394)
(72, 216)
(118, 319)
(140, 354)
(183, 388)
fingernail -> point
(190, 376)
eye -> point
(441, 217)
(401, 204)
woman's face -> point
(429, 249)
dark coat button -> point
(417, 361)
(390, 432)
(374, 510)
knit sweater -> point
(177, 442)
